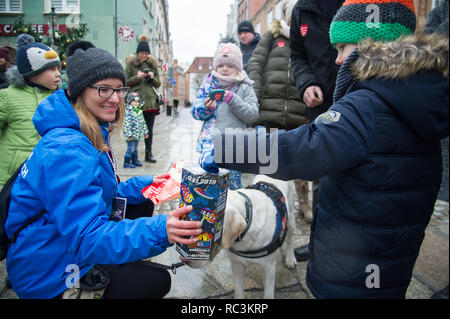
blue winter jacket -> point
(377, 153)
(69, 178)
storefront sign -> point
(6, 30)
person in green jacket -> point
(35, 76)
(279, 104)
(142, 76)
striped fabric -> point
(377, 19)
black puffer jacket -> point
(279, 104)
(312, 55)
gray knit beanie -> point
(86, 67)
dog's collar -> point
(248, 215)
(281, 228)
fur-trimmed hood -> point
(411, 76)
(15, 77)
(133, 60)
(279, 28)
(402, 58)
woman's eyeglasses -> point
(105, 91)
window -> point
(269, 18)
(63, 6)
(10, 5)
(278, 10)
(258, 27)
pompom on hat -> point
(230, 54)
(143, 44)
(33, 57)
(381, 20)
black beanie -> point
(245, 26)
(143, 44)
(85, 67)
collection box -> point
(207, 193)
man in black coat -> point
(248, 40)
(313, 63)
(312, 55)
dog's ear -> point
(234, 225)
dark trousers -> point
(136, 280)
(150, 121)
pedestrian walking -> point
(142, 76)
(134, 129)
(71, 177)
(249, 39)
(34, 77)
(376, 150)
(279, 104)
(236, 109)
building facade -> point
(114, 25)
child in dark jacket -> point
(376, 150)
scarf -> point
(227, 82)
(345, 77)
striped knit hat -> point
(381, 20)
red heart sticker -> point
(304, 29)
(226, 50)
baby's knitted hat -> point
(381, 20)
(32, 57)
(86, 67)
(228, 53)
(133, 96)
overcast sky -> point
(196, 26)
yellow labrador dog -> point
(250, 239)
(254, 237)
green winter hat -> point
(381, 20)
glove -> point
(206, 160)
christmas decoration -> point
(62, 38)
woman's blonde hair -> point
(90, 126)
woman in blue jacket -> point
(71, 174)
(376, 151)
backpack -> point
(4, 207)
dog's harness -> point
(281, 229)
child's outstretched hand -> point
(210, 104)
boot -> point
(127, 163)
(302, 253)
(135, 160)
(149, 157)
